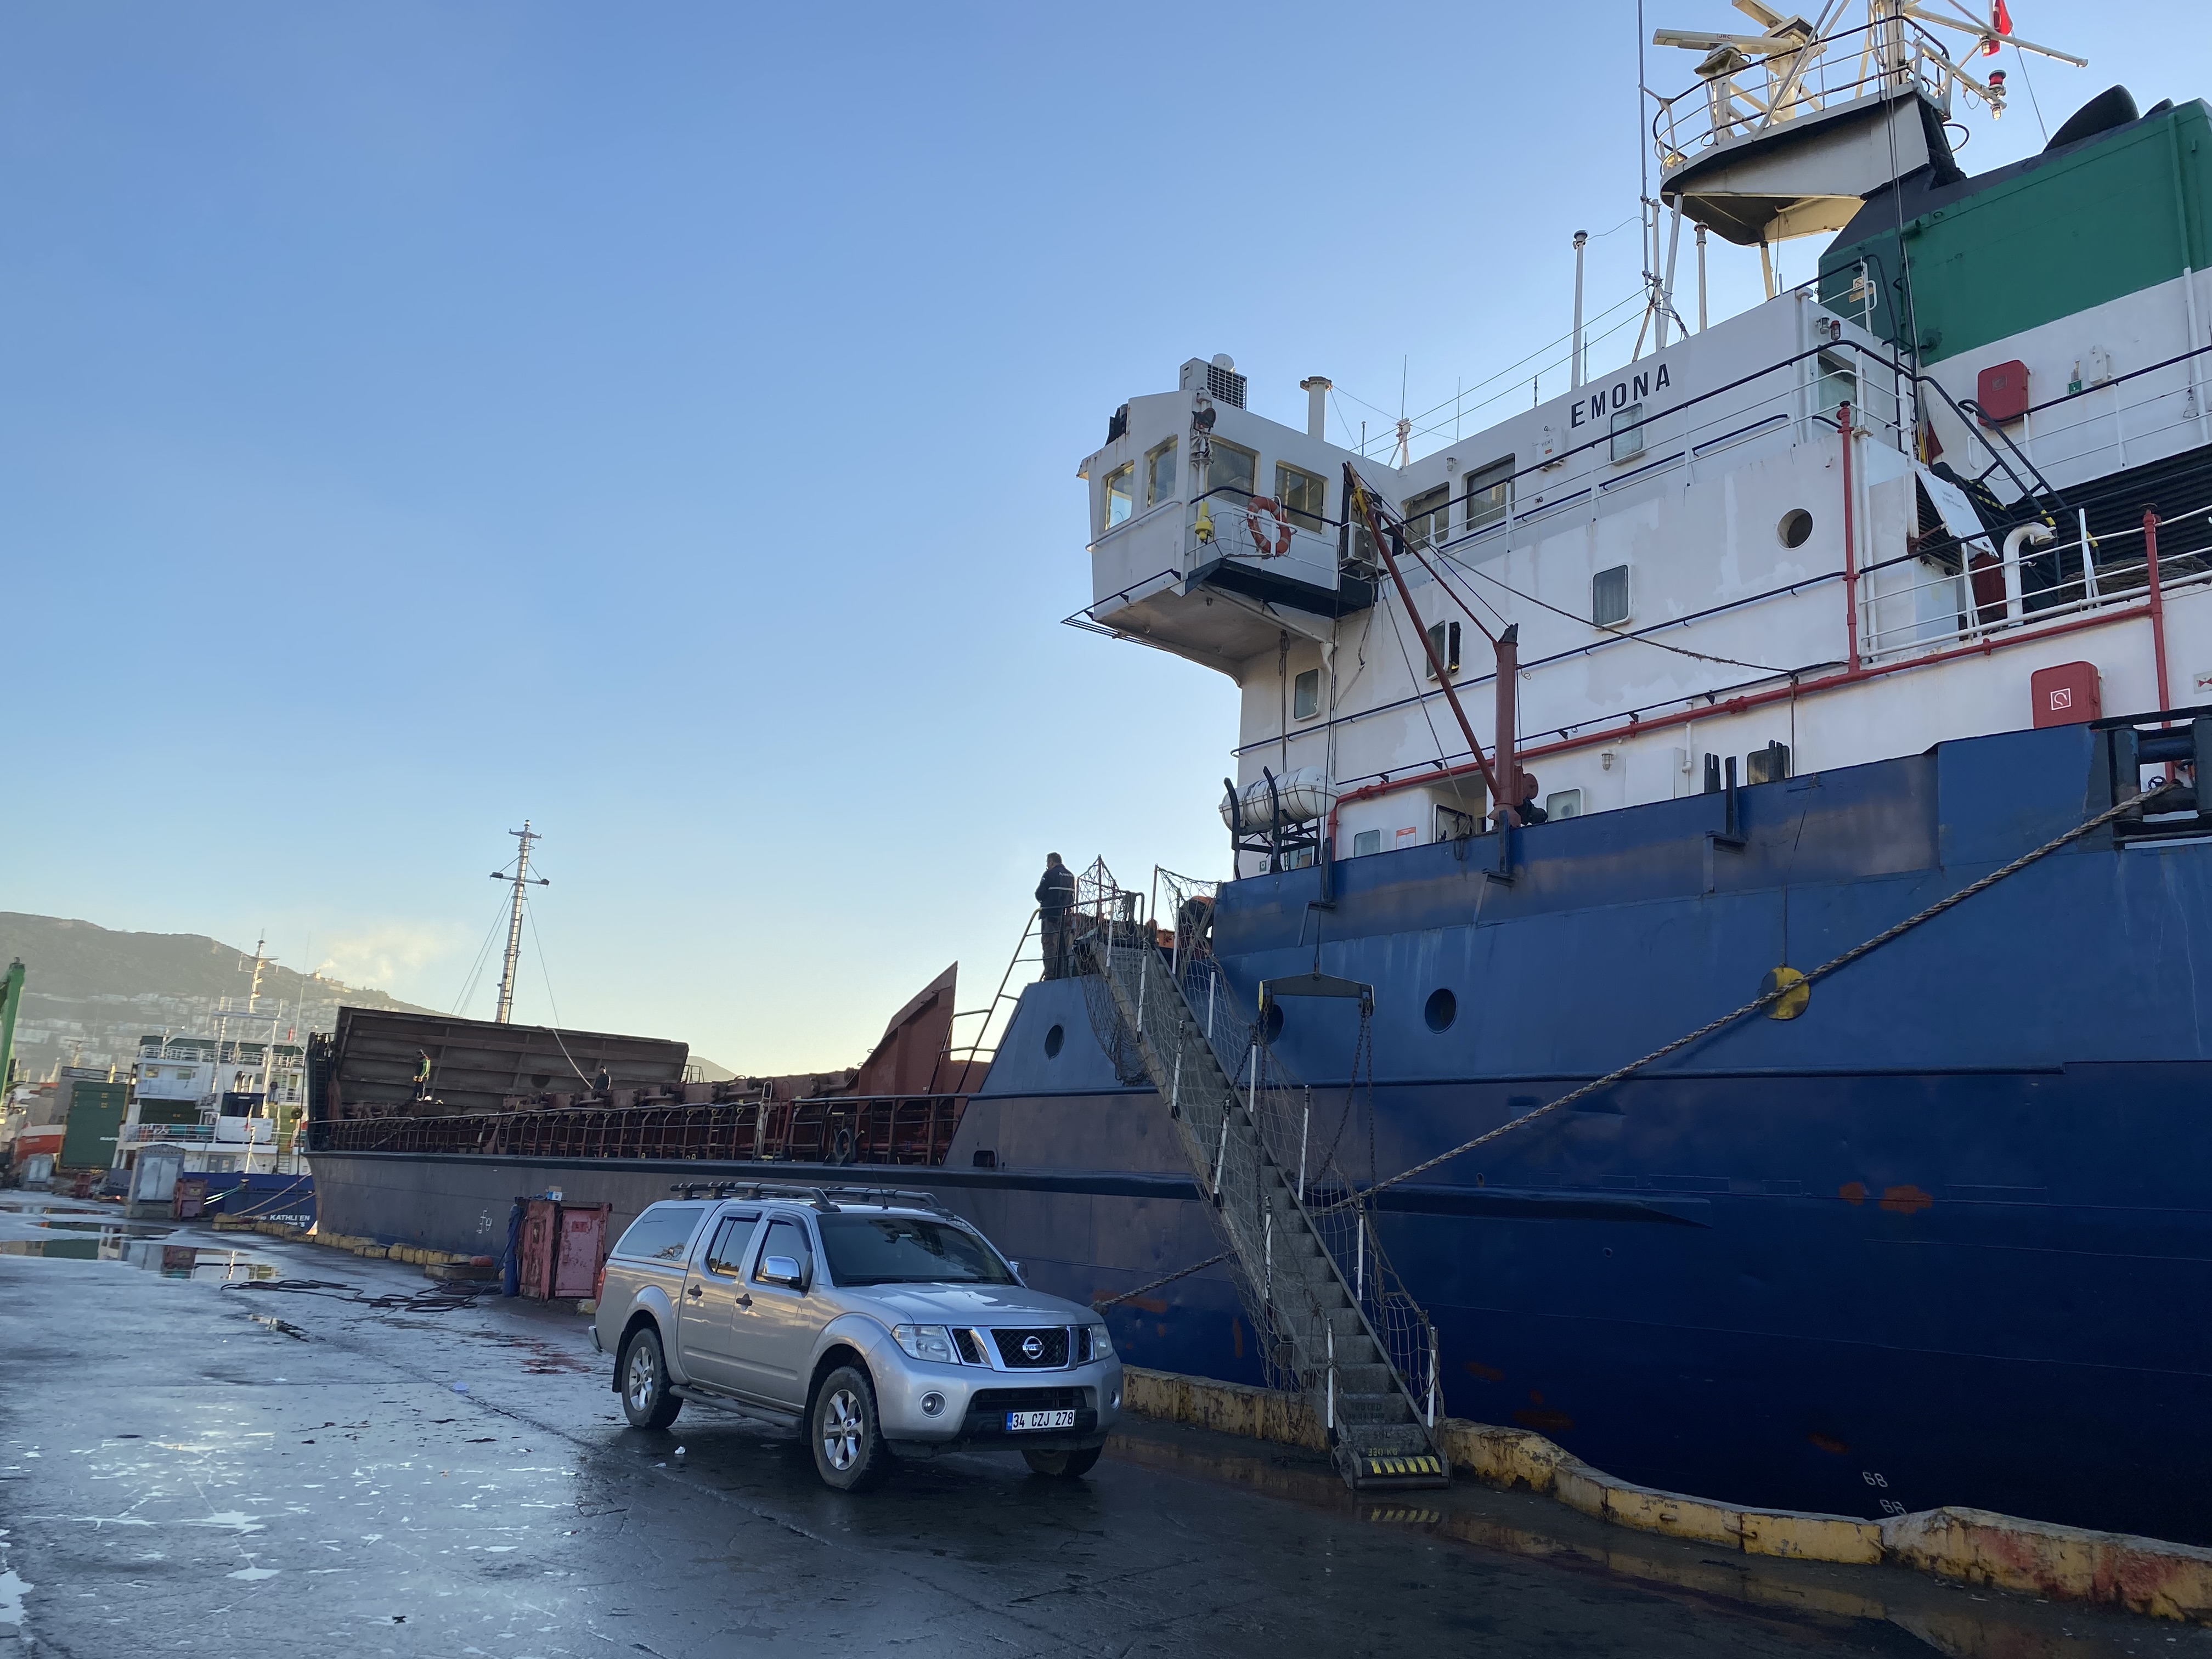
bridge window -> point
(1234, 469)
(1609, 597)
(1366, 841)
(1305, 694)
(1489, 493)
(1564, 804)
(1628, 433)
(1160, 473)
(1119, 483)
(1445, 638)
(1428, 516)
(1300, 493)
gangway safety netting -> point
(1322, 1137)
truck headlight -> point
(931, 1342)
(1101, 1344)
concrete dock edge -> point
(1976, 1546)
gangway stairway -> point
(1381, 1437)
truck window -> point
(726, 1254)
(662, 1232)
(789, 1239)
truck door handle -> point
(694, 1291)
(745, 1299)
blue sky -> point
(663, 424)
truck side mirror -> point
(782, 1270)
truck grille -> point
(1044, 1348)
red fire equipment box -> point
(2001, 392)
(2066, 694)
(559, 1250)
(536, 1248)
(583, 1242)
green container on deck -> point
(96, 1118)
(2025, 244)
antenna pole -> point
(1581, 241)
(1701, 279)
(521, 879)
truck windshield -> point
(898, 1249)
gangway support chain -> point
(1381, 1423)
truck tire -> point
(646, 1398)
(848, 1441)
(1063, 1465)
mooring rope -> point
(1130, 1296)
(1765, 997)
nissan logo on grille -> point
(1033, 1347)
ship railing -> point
(873, 1130)
(1879, 58)
(1979, 588)
(2157, 410)
(1252, 528)
(1798, 400)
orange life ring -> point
(1268, 504)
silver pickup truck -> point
(886, 1324)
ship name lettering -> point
(1630, 389)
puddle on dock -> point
(170, 1261)
(76, 1234)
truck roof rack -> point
(824, 1198)
(813, 1195)
(885, 1197)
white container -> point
(154, 1176)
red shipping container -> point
(2066, 694)
(583, 1242)
(2001, 392)
(539, 1246)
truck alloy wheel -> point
(848, 1447)
(646, 1398)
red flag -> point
(2001, 20)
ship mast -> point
(522, 878)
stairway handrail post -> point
(1267, 1289)
(1330, 1422)
(1305, 1127)
(1432, 1372)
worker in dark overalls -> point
(1055, 897)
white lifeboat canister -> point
(1303, 796)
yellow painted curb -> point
(2142, 1574)
(2166, 1581)
(1227, 1408)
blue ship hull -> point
(1945, 1239)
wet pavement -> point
(223, 1443)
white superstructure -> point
(1700, 564)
